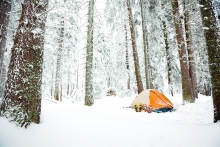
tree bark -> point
(127, 57)
(168, 58)
(89, 99)
(186, 80)
(22, 96)
(192, 65)
(58, 77)
(145, 41)
(134, 47)
(211, 32)
(5, 7)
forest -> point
(82, 49)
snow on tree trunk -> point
(5, 7)
(211, 32)
(134, 47)
(192, 68)
(186, 80)
(89, 100)
(127, 57)
(58, 77)
(145, 41)
(168, 58)
(22, 96)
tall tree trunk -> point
(22, 96)
(51, 88)
(211, 31)
(192, 68)
(168, 58)
(89, 99)
(5, 7)
(127, 57)
(145, 41)
(58, 78)
(186, 80)
(134, 47)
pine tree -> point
(192, 68)
(22, 96)
(134, 47)
(89, 100)
(186, 80)
(211, 32)
(58, 77)
(5, 7)
(169, 62)
(145, 42)
(127, 58)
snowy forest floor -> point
(108, 124)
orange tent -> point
(151, 97)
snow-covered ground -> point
(108, 124)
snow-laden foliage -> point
(111, 32)
(72, 51)
(198, 45)
(116, 18)
(164, 14)
(65, 48)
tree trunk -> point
(186, 80)
(5, 7)
(211, 32)
(127, 57)
(134, 47)
(51, 87)
(58, 78)
(145, 41)
(168, 58)
(89, 99)
(192, 68)
(22, 96)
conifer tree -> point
(211, 32)
(143, 5)
(22, 96)
(5, 7)
(192, 68)
(89, 99)
(127, 57)
(58, 77)
(186, 80)
(134, 47)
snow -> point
(109, 124)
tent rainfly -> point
(153, 98)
